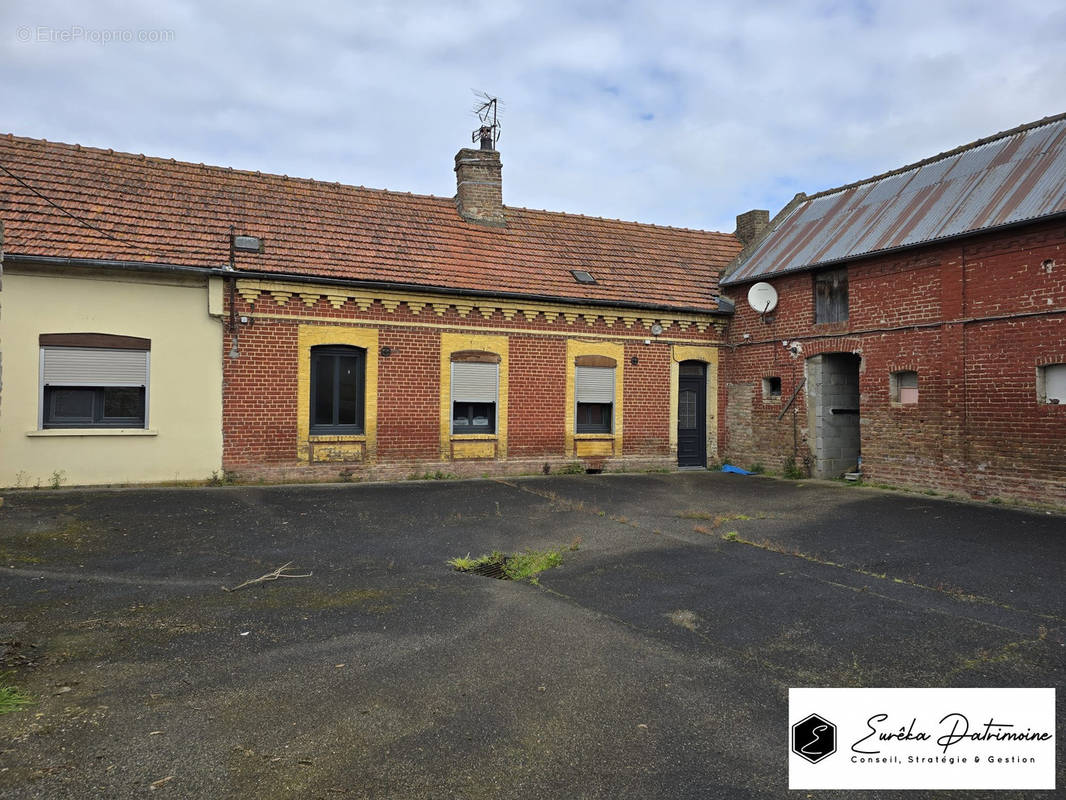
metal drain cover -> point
(492, 569)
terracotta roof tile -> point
(165, 211)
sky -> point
(682, 113)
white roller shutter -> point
(594, 384)
(474, 382)
(92, 366)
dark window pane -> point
(323, 388)
(337, 390)
(124, 403)
(348, 391)
(73, 404)
(593, 417)
(686, 410)
(473, 418)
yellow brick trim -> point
(313, 335)
(280, 291)
(709, 355)
(454, 343)
(580, 347)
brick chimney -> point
(479, 183)
(751, 225)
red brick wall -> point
(977, 428)
(646, 400)
(409, 395)
(259, 396)
(260, 390)
(536, 398)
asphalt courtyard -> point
(654, 662)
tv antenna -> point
(486, 109)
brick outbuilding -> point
(911, 326)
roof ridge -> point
(170, 161)
(941, 156)
(573, 215)
(142, 158)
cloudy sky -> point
(681, 113)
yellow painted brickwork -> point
(454, 343)
(581, 347)
(312, 336)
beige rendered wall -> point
(184, 436)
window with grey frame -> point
(338, 385)
(831, 296)
(475, 385)
(594, 395)
(93, 380)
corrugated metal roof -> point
(1011, 177)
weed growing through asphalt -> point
(433, 476)
(524, 566)
(223, 478)
(528, 565)
(57, 479)
(573, 468)
(11, 697)
(466, 563)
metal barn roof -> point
(1011, 177)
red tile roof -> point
(165, 211)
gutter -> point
(148, 266)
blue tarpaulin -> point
(735, 470)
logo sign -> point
(987, 739)
(814, 738)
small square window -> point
(582, 276)
(1051, 384)
(771, 388)
(903, 386)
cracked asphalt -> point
(655, 662)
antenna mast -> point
(489, 131)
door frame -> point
(709, 356)
(699, 384)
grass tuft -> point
(11, 697)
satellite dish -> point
(762, 297)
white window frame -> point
(1056, 394)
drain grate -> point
(491, 569)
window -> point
(594, 394)
(904, 387)
(93, 380)
(475, 387)
(337, 389)
(831, 296)
(1051, 384)
(771, 389)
